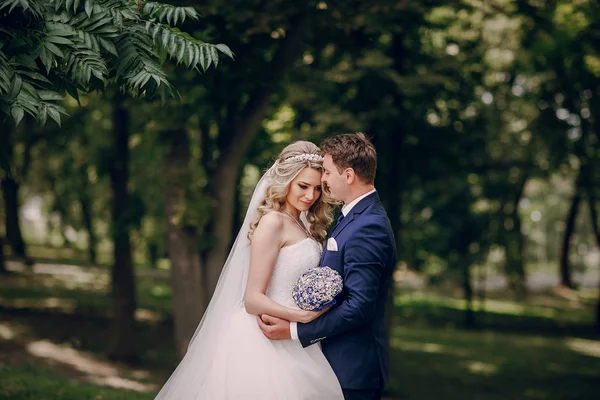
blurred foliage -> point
(485, 116)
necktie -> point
(340, 218)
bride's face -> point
(305, 189)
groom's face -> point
(332, 179)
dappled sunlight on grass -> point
(50, 303)
(73, 275)
(584, 346)
(6, 332)
(476, 364)
(98, 372)
(432, 348)
(513, 308)
(412, 346)
(59, 293)
(147, 315)
(42, 368)
(491, 306)
(160, 290)
(545, 313)
(480, 368)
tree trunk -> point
(3, 269)
(514, 257)
(123, 282)
(598, 310)
(391, 194)
(565, 267)
(596, 229)
(187, 275)
(515, 245)
(468, 290)
(86, 211)
(243, 132)
(10, 192)
(392, 153)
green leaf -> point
(54, 114)
(36, 76)
(26, 60)
(190, 55)
(72, 90)
(225, 49)
(16, 86)
(58, 39)
(175, 16)
(215, 55)
(165, 38)
(181, 52)
(17, 113)
(43, 115)
(47, 59)
(53, 49)
(191, 12)
(48, 95)
(6, 74)
(204, 58)
(108, 46)
(88, 7)
(60, 28)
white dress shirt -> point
(345, 210)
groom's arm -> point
(364, 265)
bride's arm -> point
(266, 243)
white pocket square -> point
(332, 244)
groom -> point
(361, 247)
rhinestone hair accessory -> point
(305, 157)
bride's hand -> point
(309, 316)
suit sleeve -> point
(364, 265)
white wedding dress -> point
(247, 365)
(229, 358)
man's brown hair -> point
(352, 150)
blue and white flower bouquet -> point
(317, 288)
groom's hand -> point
(274, 328)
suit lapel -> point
(339, 227)
(357, 209)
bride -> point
(228, 356)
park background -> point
(133, 134)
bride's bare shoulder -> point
(273, 221)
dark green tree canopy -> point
(49, 47)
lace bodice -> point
(292, 262)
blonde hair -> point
(291, 161)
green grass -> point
(542, 313)
(32, 382)
(431, 363)
(539, 348)
(87, 294)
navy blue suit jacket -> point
(352, 334)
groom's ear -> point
(349, 175)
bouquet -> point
(316, 288)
